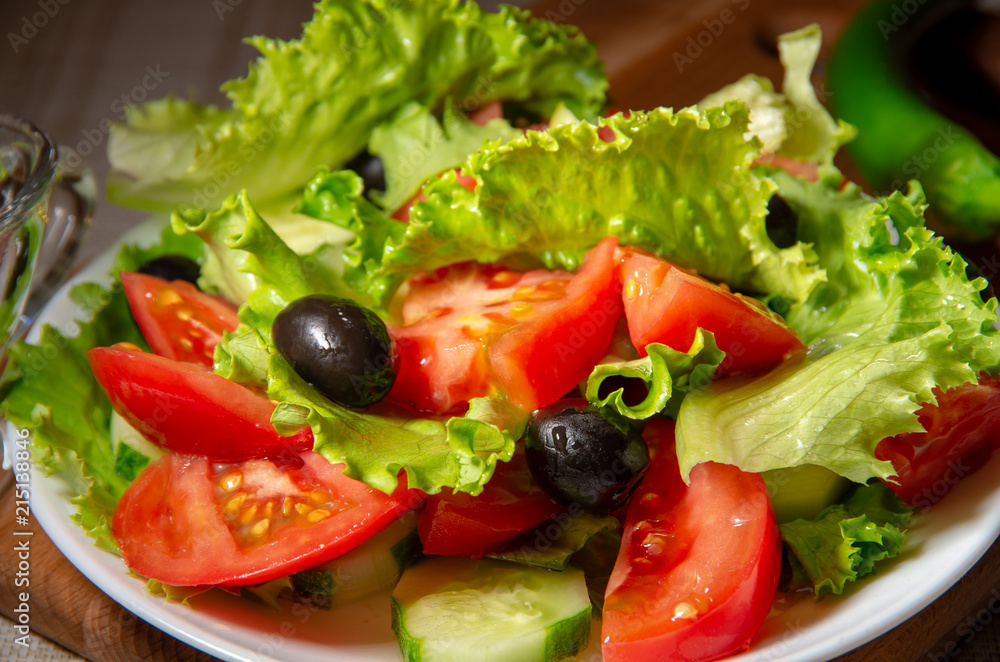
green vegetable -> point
(900, 137)
(896, 317)
(668, 375)
(803, 492)
(375, 565)
(414, 146)
(553, 543)
(679, 184)
(316, 100)
(49, 388)
(794, 123)
(846, 541)
(132, 451)
(489, 611)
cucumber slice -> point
(803, 492)
(374, 565)
(132, 450)
(466, 610)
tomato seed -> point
(317, 515)
(248, 514)
(260, 528)
(231, 481)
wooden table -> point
(67, 74)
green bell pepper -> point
(899, 137)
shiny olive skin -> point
(369, 167)
(172, 267)
(341, 348)
(585, 455)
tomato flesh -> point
(698, 566)
(665, 304)
(470, 330)
(187, 408)
(962, 431)
(463, 525)
(188, 521)
(178, 320)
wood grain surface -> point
(657, 53)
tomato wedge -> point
(187, 408)
(698, 565)
(472, 329)
(188, 521)
(178, 320)
(962, 431)
(665, 304)
(464, 525)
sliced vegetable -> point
(462, 525)
(803, 492)
(374, 565)
(471, 330)
(698, 566)
(667, 305)
(962, 431)
(489, 611)
(186, 408)
(178, 320)
(187, 520)
(132, 451)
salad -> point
(452, 327)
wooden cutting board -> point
(657, 53)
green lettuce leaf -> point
(896, 317)
(679, 184)
(415, 146)
(316, 100)
(53, 393)
(792, 123)
(668, 375)
(248, 262)
(49, 389)
(459, 452)
(845, 542)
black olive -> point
(586, 455)
(781, 223)
(369, 167)
(341, 348)
(172, 267)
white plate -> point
(944, 544)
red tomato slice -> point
(962, 431)
(665, 304)
(554, 349)
(471, 329)
(188, 521)
(698, 565)
(178, 320)
(187, 408)
(464, 525)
